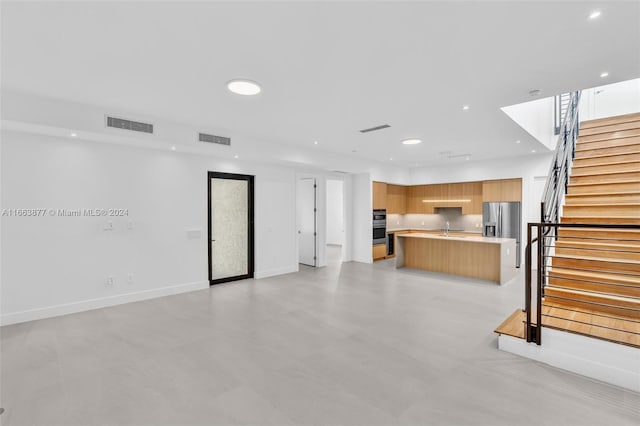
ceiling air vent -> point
(373, 129)
(136, 126)
(220, 140)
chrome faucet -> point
(446, 228)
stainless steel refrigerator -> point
(503, 220)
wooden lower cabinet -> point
(379, 251)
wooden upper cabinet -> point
(414, 198)
(511, 190)
(472, 191)
(502, 190)
(379, 195)
(396, 199)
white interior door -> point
(229, 229)
(306, 209)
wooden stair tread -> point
(613, 297)
(613, 182)
(597, 194)
(615, 329)
(591, 312)
(628, 246)
(610, 204)
(597, 122)
(514, 325)
(594, 276)
(591, 157)
(599, 259)
(612, 163)
(607, 172)
(611, 127)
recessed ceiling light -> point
(235, 156)
(173, 148)
(604, 74)
(533, 150)
(411, 141)
(315, 142)
(74, 135)
(465, 107)
(391, 159)
(595, 14)
(244, 87)
(468, 157)
(518, 141)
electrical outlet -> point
(111, 280)
(129, 278)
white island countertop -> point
(470, 238)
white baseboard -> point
(598, 359)
(277, 271)
(87, 305)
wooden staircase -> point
(595, 273)
(593, 285)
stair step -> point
(610, 128)
(605, 303)
(602, 251)
(514, 325)
(605, 121)
(619, 220)
(605, 210)
(610, 176)
(624, 146)
(611, 186)
(604, 197)
(592, 323)
(596, 277)
(606, 158)
(609, 138)
(597, 264)
(605, 167)
(631, 236)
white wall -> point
(610, 100)
(362, 218)
(536, 117)
(54, 265)
(335, 225)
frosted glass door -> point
(229, 228)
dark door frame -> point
(250, 223)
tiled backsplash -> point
(457, 221)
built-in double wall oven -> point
(379, 227)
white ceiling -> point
(327, 69)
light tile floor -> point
(349, 344)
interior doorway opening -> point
(306, 212)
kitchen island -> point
(485, 258)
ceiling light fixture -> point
(411, 141)
(173, 148)
(447, 201)
(465, 107)
(595, 14)
(315, 142)
(391, 159)
(235, 156)
(533, 150)
(74, 135)
(244, 87)
(604, 74)
(518, 141)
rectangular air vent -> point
(373, 129)
(136, 126)
(220, 140)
